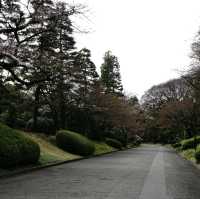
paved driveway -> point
(148, 172)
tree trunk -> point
(36, 107)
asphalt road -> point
(148, 172)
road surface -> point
(148, 172)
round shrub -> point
(16, 149)
(30, 151)
(114, 143)
(197, 154)
(74, 143)
(44, 125)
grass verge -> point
(188, 154)
(51, 153)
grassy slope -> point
(49, 152)
(101, 147)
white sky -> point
(151, 38)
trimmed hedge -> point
(44, 125)
(197, 154)
(74, 143)
(190, 143)
(16, 149)
(114, 143)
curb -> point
(36, 168)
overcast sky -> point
(151, 38)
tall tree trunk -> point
(36, 106)
(62, 113)
(62, 108)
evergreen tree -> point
(110, 75)
(85, 76)
(58, 92)
(42, 48)
(64, 67)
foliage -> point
(65, 87)
(84, 121)
(190, 143)
(74, 143)
(119, 134)
(9, 120)
(102, 147)
(138, 140)
(16, 149)
(197, 154)
(49, 151)
(177, 145)
(114, 143)
(110, 74)
(44, 125)
(189, 154)
(170, 110)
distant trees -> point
(172, 108)
(168, 107)
(157, 96)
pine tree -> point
(58, 91)
(85, 76)
(110, 75)
(66, 44)
(23, 29)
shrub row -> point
(74, 143)
(16, 149)
(114, 143)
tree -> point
(164, 109)
(44, 77)
(159, 95)
(110, 75)
(61, 85)
(178, 116)
(85, 76)
(31, 31)
(19, 28)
